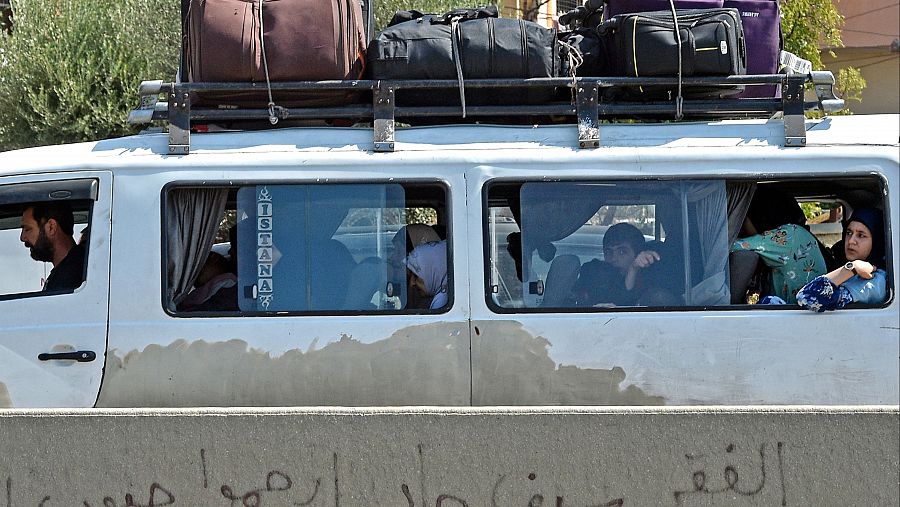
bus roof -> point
(834, 131)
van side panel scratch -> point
(417, 365)
(513, 367)
(5, 400)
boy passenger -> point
(623, 249)
(47, 229)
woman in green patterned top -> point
(775, 229)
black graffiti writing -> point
(455, 500)
(337, 485)
(276, 482)
(445, 498)
(203, 468)
(732, 481)
(159, 497)
(409, 501)
(781, 473)
(538, 501)
(278, 487)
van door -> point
(53, 320)
(299, 294)
(564, 302)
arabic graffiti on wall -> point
(287, 487)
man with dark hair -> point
(624, 249)
(47, 229)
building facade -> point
(871, 36)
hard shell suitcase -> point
(762, 31)
(616, 7)
(712, 44)
(274, 40)
(761, 21)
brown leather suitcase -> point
(292, 40)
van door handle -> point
(82, 356)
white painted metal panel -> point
(38, 324)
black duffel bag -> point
(460, 45)
(712, 44)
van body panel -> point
(159, 359)
(730, 359)
(474, 353)
(34, 324)
(724, 356)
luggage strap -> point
(454, 38)
(679, 100)
(273, 117)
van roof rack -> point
(591, 100)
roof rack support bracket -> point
(587, 109)
(794, 117)
(383, 116)
(179, 121)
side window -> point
(791, 232)
(595, 245)
(296, 249)
(589, 246)
(43, 231)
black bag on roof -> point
(485, 47)
(645, 45)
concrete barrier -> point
(542, 457)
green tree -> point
(809, 24)
(69, 70)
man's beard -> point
(42, 250)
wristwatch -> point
(849, 267)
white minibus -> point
(468, 264)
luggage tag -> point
(794, 63)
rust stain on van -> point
(417, 365)
(5, 400)
(513, 367)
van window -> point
(599, 245)
(295, 248)
(572, 244)
(44, 228)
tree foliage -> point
(385, 9)
(810, 24)
(70, 69)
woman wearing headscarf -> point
(775, 228)
(862, 279)
(427, 265)
(415, 234)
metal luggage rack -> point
(171, 102)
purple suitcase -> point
(762, 31)
(614, 7)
